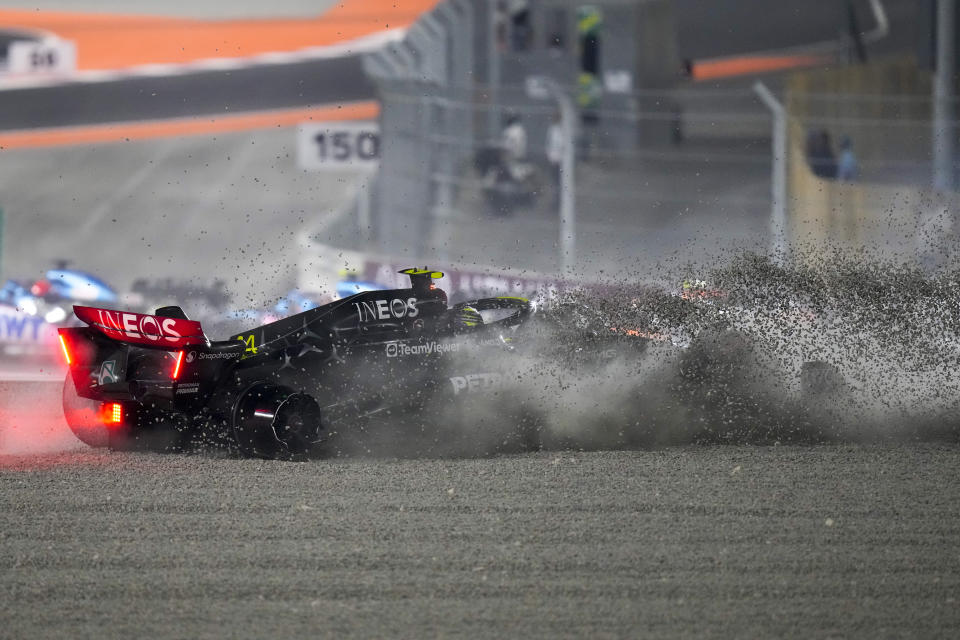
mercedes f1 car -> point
(283, 389)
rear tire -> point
(529, 431)
(275, 422)
(718, 359)
(81, 415)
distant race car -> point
(282, 389)
(71, 284)
(31, 313)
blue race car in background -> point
(31, 314)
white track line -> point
(30, 376)
(364, 44)
(125, 189)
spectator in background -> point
(520, 24)
(820, 155)
(556, 146)
(513, 142)
(847, 168)
(500, 27)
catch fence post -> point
(567, 244)
(943, 102)
(778, 180)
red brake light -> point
(111, 413)
(176, 367)
(66, 351)
(40, 288)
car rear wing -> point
(119, 351)
(136, 328)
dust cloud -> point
(839, 349)
(31, 419)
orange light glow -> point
(176, 367)
(66, 352)
(701, 294)
(639, 333)
(112, 413)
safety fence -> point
(860, 179)
(470, 170)
(451, 185)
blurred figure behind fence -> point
(847, 168)
(820, 155)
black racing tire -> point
(81, 416)
(148, 429)
(530, 431)
(275, 422)
(719, 358)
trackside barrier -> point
(324, 266)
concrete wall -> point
(906, 224)
(890, 210)
(884, 107)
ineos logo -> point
(387, 309)
(134, 325)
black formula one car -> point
(284, 389)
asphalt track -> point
(704, 31)
(200, 208)
(315, 82)
(851, 541)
